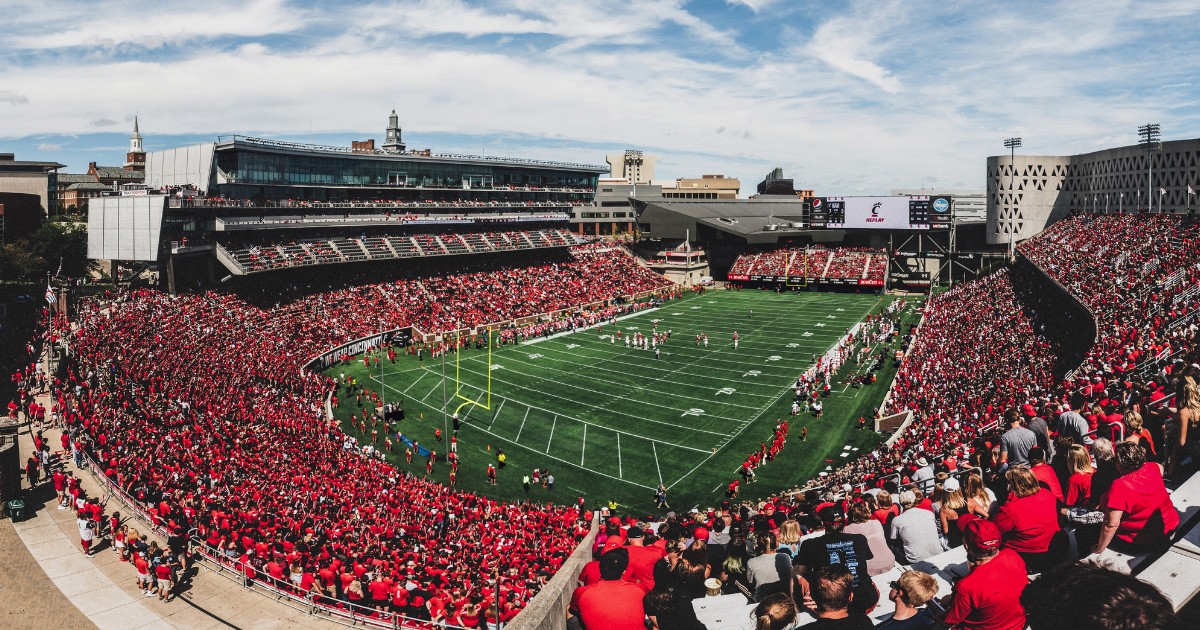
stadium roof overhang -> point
(756, 221)
(232, 143)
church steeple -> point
(135, 160)
(393, 143)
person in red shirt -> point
(612, 603)
(1045, 474)
(1029, 519)
(163, 573)
(1137, 510)
(989, 597)
(641, 559)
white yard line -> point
(518, 438)
(553, 424)
(497, 412)
(583, 449)
(620, 469)
(656, 466)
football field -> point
(610, 422)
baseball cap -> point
(951, 485)
(1028, 410)
(635, 532)
(701, 533)
(982, 534)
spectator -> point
(1187, 423)
(954, 506)
(1079, 484)
(1029, 520)
(612, 603)
(989, 597)
(1017, 441)
(1084, 596)
(981, 501)
(1136, 433)
(1138, 512)
(1044, 473)
(882, 559)
(915, 531)
(835, 547)
(1073, 425)
(777, 612)
(768, 570)
(833, 598)
(910, 593)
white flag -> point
(1162, 191)
(1190, 191)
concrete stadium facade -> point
(1046, 188)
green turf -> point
(610, 422)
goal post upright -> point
(458, 372)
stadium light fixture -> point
(1011, 144)
(1149, 135)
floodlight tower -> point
(1149, 138)
(1011, 144)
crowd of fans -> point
(815, 262)
(1009, 449)
(196, 407)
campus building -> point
(1026, 193)
(241, 206)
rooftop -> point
(234, 140)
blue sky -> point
(849, 97)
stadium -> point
(391, 388)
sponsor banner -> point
(871, 282)
(909, 275)
(400, 336)
(971, 256)
(934, 255)
(738, 277)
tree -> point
(32, 257)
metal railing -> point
(343, 611)
(284, 591)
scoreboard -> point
(914, 212)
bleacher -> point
(818, 263)
(254, 258)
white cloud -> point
(756, 6)
(866, 95)
(150, 25)
(12, 98)
(851, 43)
(48, 146)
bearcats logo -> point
(875, 218)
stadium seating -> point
(223, 380)
(819, 263)
(248, 258)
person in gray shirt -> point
(1040, 429)
(1016, 442)
(916, 530)
(1074, 426)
